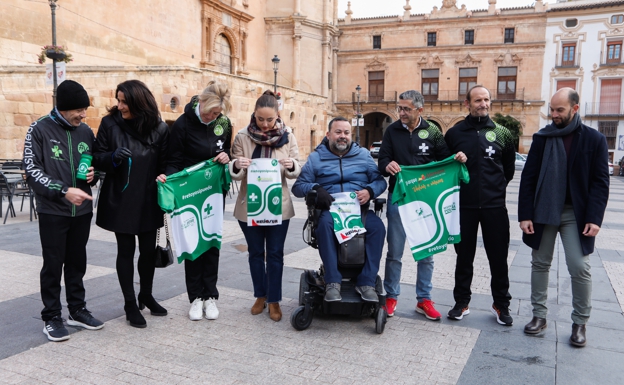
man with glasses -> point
(491, 164)
(409, 141)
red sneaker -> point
(426, 307)
(390, 306)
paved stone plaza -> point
(239, 348)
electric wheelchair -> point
(351, 259)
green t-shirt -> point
(428, 199)
(194, 198)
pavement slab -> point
(239, 348)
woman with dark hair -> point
(201, 133)
(131, 148)
(266, 136)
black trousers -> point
(63, 246)
(495, 230)
(126, 245)
(201, 275)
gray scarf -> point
(551, 187)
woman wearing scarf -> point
(201, 133)
(131, 148)
(266, 136)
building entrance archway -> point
(375, 124)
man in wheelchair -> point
(338, 165)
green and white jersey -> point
(194, 198)
(347, 215)
(428, 199)
(264, 193)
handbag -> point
(164, 255)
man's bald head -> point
(567, 93)
(563, 106)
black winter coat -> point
(423, 145)
(491, 162)
(192, 142)
(588, 181)
(52, 152)
(134, 210)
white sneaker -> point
(210, 307)
(195, 314)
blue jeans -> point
(396, 245)
(328, 248)
(266, 267)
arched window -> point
(223, 54)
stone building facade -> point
(584, 52)
(176, 48)
(442, 54)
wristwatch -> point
(64, 191)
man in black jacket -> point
(491, 163)
(409, 141)
(52, 150)
(564, 188)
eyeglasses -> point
(407, 110)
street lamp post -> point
(275, 61)
(357, 132)
(53, 8)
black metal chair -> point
(15, 187)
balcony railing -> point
(388, 97)
(457, 96)
(604, 109)
(605, 61)
(574, 63)
(442, 96)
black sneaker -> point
(458, 311)
(55, 330)
(83, 318)
(502, 315)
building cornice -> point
(244, 16)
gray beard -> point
(339, 151)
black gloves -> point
(323, 198)
(120, 155)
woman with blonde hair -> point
(201, 133)
(266, 136)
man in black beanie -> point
(52, 150)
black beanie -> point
(70, 95)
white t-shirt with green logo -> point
(264, 193)
(346, 213)
(428, 199)
(194, 198)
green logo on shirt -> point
(208, 174)
(274, 162)
(82, 147)
(218, 130)
(57, 153)
(353, 195)
(490, 136)
(208, 209)
(423, 134)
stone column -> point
(296, 61)
(297, 7)
(335, 75)
(325, 74)
(205, 39)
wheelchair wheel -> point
(303, 287)
(380, 320)
(297, 319)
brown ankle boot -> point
(258, 306)
(275, 312)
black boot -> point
(133, 315)
(149, 301)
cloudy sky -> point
(368, 8)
